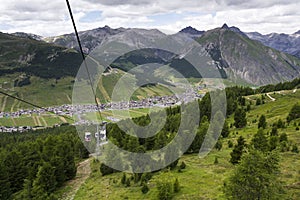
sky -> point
(51, 17)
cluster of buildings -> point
(71, 110)
(4, 129)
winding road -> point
(272, 99)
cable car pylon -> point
(100, 135)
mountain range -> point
(288, 43)
(250, 58)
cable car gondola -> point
(87, 136)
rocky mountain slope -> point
(283, 42)
(236, 56)
(246, 59)
(233, 53)
(89, 39)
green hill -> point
(36, 58)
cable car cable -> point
(83, 57)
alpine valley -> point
(242, 58)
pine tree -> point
(240, 120)
(15, 170)
(45, 180)
(274, 131)
(144, 188)
(273, 142)
(280, 123)
(59, 170)
(176, 186)
(182, 165)
(238, 150)
(283, 137)
(216, 161)
(123, 180)
(256, 177)
(295, 149)
(225, 131)
(133, 144)
(5, 189)
(262, 123)
(258, 101)
(260, 141)
(218, 145)
(127, 182)
(165, 189)
(294, 113)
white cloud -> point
(47, 18)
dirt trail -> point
(295, 90)
(83, 172)
(272, 99)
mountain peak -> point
(298, 32)
(106, 27)
(225, 26)
(191, 30)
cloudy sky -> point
(50, 17)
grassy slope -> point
(43, 92)
(202, 179)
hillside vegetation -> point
(203, 178)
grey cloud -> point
(255, 3)
(121, 2)
(37, 6)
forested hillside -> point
(34, 165)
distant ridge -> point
(28, 35)
(288, 43)
(191, 31)
(298, 32)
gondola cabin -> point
(87, 136)
(103, 134)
